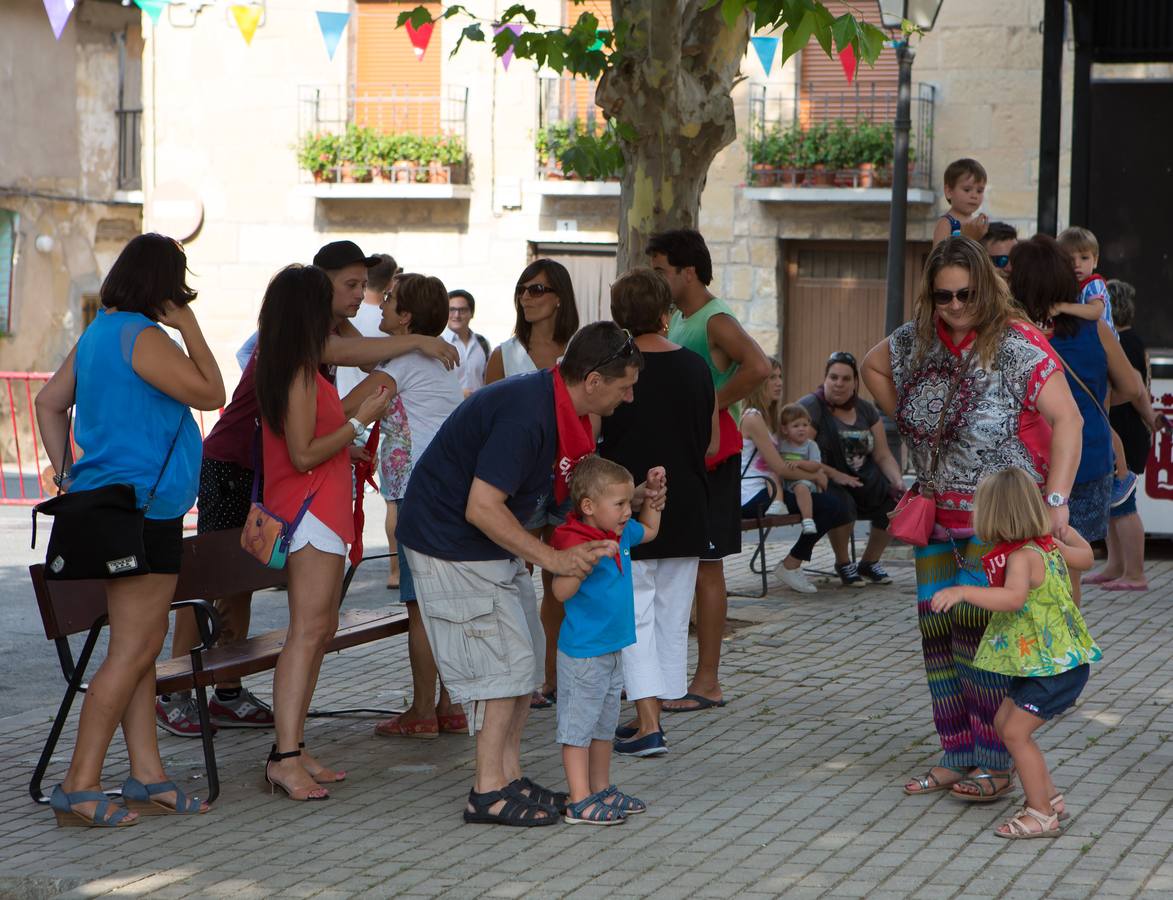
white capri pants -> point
(656, 665)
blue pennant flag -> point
(332, 25)
(766, 47)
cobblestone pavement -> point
(793, 789)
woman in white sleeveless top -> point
(547, 319)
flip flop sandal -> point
(538, 700)
(593, 810)
(700, 701)
(519, 810)
(930, 784)
(1018, 830)
(396, 727)
(1124, 586)
(138, 797)
(977, 781)
(1096, 579)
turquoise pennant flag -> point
(332, 25)
(153, 8)
(766, 47)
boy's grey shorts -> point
(809, 485)
(482, 621)
(588, 698)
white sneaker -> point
(809, 527)
(794, 579)
(777, 508)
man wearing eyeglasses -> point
(706, 325)
(472, 347)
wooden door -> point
(835, 297)
(592, 269)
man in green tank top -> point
(706, 325)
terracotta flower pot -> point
(438, 173)
(764, 175)
(347, 173)
(867, 174)
(401, 171)
(822, 177)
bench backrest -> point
(213, 565)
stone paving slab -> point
(793, 789)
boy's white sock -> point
(809, 527)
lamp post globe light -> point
(922, 15)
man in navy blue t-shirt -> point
(461, 524)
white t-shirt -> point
(429, 393)
(472, 360)
(366, 320)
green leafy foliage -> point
(366, 148)
(570, 147)
(836, 145)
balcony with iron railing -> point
(805, 144)
(566, 115)
(378, 141)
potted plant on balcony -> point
(551, 142)
(447, 151)
(872, 151)
(317, 153)
(839, 153)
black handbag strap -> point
(256, 463)
(1071, 372)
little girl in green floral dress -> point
(1036, 635)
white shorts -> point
(312, 531)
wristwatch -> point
(1055, 500)
(358, 427)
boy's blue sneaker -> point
(648, 745)
(1123, 488)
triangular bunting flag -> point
(597, 45)
(58, 12)
(153, 8)
(420, 37)
(507, 56)
(247, 19)
(766, 47)
(332, 25)
(848, 61)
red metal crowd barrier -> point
(20, 441)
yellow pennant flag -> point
(247, 20)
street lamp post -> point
(922, 14)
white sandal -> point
(1017, 829)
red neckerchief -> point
(576, 531)
(955, 349)
(995, 561)
(576, 438)
(362, 477)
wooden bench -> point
(763, 525)
(213, 565)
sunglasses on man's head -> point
(626, 351)
(943, 297)
(534, 290)
(1001, 261)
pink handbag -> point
(912, 520)
(915, 515)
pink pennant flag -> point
(419, 38)
(848, 61)
(507, 56)
(58, 12)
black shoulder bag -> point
(96, 533)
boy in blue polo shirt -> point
(600, 621)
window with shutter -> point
(7, 256)
(824, 94)
(395, 89)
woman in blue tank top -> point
(132, 387)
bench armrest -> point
(207, 621)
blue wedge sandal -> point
(140, 798)
(106, 815)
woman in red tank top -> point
(306, 435)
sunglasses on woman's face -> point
(1001, 261)
(534, 290)
(943, 297)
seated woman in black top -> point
(862, 468)
(672, 422)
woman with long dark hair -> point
(307, 474)
(132, 388)
(547, 318)
(972, 389)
